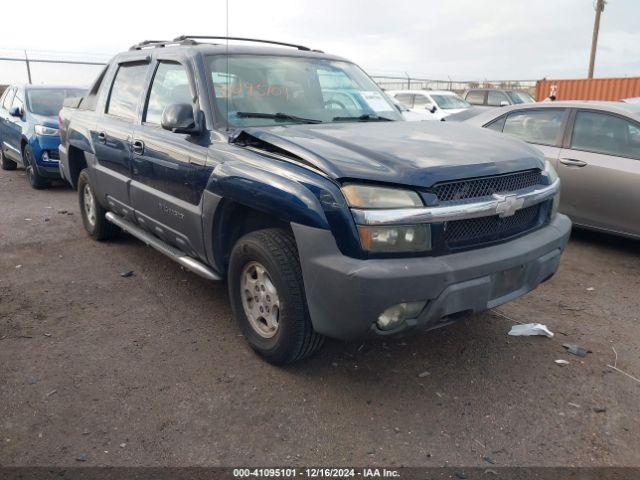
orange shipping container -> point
(590, 88)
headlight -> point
(48, 131)
(553, 176)
(365, 196)
(388, 238)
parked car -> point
(440, 103)
(414, 115)
(595, 147)
(490, 97)
(230, 160)
(29, 130)
(467, 114)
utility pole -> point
(594, 40)
(26, 59)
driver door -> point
(169, 169)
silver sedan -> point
(594, 146)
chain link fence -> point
(458, 86)
(39, 67)
(76, 69)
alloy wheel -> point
(260, 299)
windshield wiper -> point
(277, 116)
(367, 117)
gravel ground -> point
(152, 370)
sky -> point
(435, 39)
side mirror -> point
(180, 118)
(432, 108)
(15, 112)
(504, 103)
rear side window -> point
(126, 90)
(170, 85)
(405, 99)
(536, 126)
(420, 101)
(495, 99)
(607, 134)
(475, 97)
(497, 124)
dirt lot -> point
(151, 369)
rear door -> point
(14, 127)
(600, 171)
(169, 169)
(112, 134)
(5, 124)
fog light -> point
(395, 239)
(45, 156)
(394, 316)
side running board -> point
(186, 261)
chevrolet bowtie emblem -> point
(508, 204)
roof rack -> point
(183, 38)
(160, 44)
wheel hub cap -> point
(260, 299)
(89, 204)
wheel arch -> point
(77, 163)
(232, 221)
(241, 198)
(24, 141)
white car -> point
(414, 115)
(441, 103)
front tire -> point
(35, 179)
(5, 163)
(268, 299)
(93, 214)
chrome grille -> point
(485, 186)
(461, 233)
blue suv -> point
(29, 130)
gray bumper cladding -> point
(346, 295)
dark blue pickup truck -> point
(288, 173)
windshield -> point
(277, 90)
(48, 102)
(520, 97)
(449, 102)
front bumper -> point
(346, 295)
(50, 144)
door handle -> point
(572, 162)
(137, 147)
(102, 137)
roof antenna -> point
(227, 93)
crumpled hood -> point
(406, 153)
